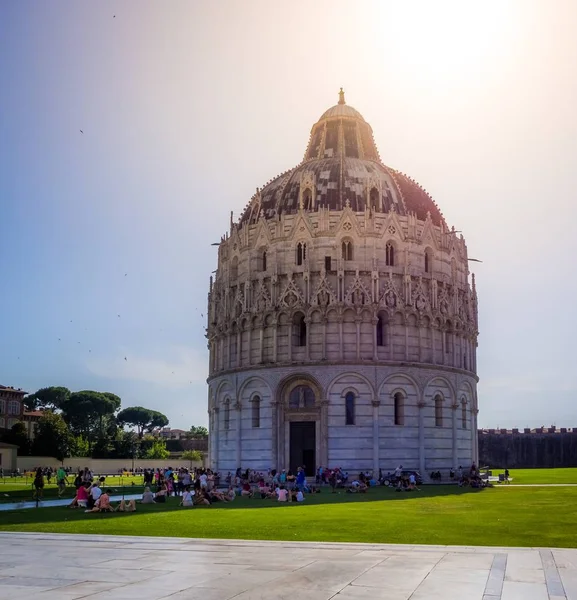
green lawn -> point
(436, 515)
(540, 475)
(17, 489)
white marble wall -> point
(373, 441)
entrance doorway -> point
(302, 446)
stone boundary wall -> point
(104, 465)
(529, 448)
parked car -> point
(391, 479)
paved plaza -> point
(66, 567)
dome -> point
(341, 168)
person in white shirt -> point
(282, 494)
(147, 496)
(300, 496)
(203, 481)
(187, 498)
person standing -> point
(38, 484)
(61, 480)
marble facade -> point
(342, 299)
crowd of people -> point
(203, 487)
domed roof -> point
(342, 109)
(341, 168)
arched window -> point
(2, 423)
(347, 250)
(374, 199)
(256, 411)
(390, 254)
(2, 406)
(448, 338)
(301, 396)
(299, 330)
(399, 409)
(14, 407)
(262, 260)
(465, 360)
(350, 409)
(301, 253)
(464, 414)
(12, 422)
(382, 323)
(227, 415)
(307, 199)
(234, 267)
(428, 261)
(438, 411)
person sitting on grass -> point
(187, 498)
(162, 493)
(282, 494)
(215, 496)
(230, 495)
(94, 493)
(124, 507)
(81, 498)
(147, 496)
(200, 499)
(246, 491)
(102, 504)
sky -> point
(186, 107)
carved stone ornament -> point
(391, 300)
(420, 303)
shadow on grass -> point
(61, 514)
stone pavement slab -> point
(70, 567)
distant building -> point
(172, 434)
(11, 406)
(30, 420)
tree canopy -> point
(50, 397)
(197, 432)
(53, 437)
(144, 419)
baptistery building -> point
(342, 323)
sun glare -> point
(441, 39)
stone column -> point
(406, 340)
(323, 458)
(455, 456)
(290, 329)
(238, 407)
(229, 357)
(239, 348)
(274, 340)
(376, 458)
(216, 441)
(341, 347)
(375, 322)
(324, 334)
(475, 435)
(421, 406)
(261, 342)
(274, 437)
(433, 336)
(308, 339)
(444, 348)
(358, 324)
(249, 353)
(419, 325)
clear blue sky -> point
(187, 107)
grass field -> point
(533, 476)
(14, 490)
(442, 514)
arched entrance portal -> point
(299, 431)
(302, 433)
